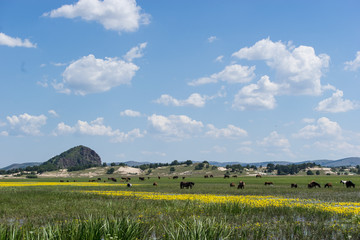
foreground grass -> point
(64, 212)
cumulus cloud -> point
(97, 128)
(299, 69)
(174, 127)
(324, 127)
(91, 75)
(219, 58)
(26, 124)
(135, 52)
(257, 96)
(212, 39)
(231, 74)
(15, 42)
(130, 113)
(53, 113)
(336, 104)
(230, 131)
(353, 65)
(194, 99)
(275, 140)
(4, 133)
(117, 15)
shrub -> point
(110, 171)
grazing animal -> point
(186, 185)
(269, 183)
(155, 184)
(293, 185)
(125, 179)
(175, 177)
(241, 185)
(350, 184)
(328, 185)
(232, 184)
(258, 176)
(211, 176)
(235, 176)
(129, 185)
(159, 177)
(313, 184)
(183, 177)
(99, 179)
(112, 179)
(206, 176)
(61, 180)
(148, 177)
(343, 182)
(226, 176)
(142, 178)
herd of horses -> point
(241, 184)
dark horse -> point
(241, 185)
(313, 184)
(350, 184)
(186, 185)
(232, 184)
(269, 183)
(328, 185)
(293, 185)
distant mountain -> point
(134, 163)
(351, 161)
(75, 157)
(21, 165)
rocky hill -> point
(75, 157)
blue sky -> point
(245, 81)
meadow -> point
(45, 208)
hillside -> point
(21, 165)
(74, 157)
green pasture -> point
(62, 212)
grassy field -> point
(47, 209)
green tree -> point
(172, 169)
(309, 172)
(317, 172)
(110, 171)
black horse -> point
(313, 184)
(186, 185)
(350, 184)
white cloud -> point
(219, 149)
(212, 39)
(257, 96)
(53, 113)
(336, 104)
(148, 153)
(353, 65)
(275, 140)
(15, 42)
(97, 128)
(308, 120)
(4, 133)
(230, 132)
(91, 75)
(231, 74)
(174, 127)
(26, 124)
(130, 113)
(135, 52)
(299, 69)
(219, 58)
(117, 15)
(194, 99)
(324, 127)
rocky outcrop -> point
(75, 157)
